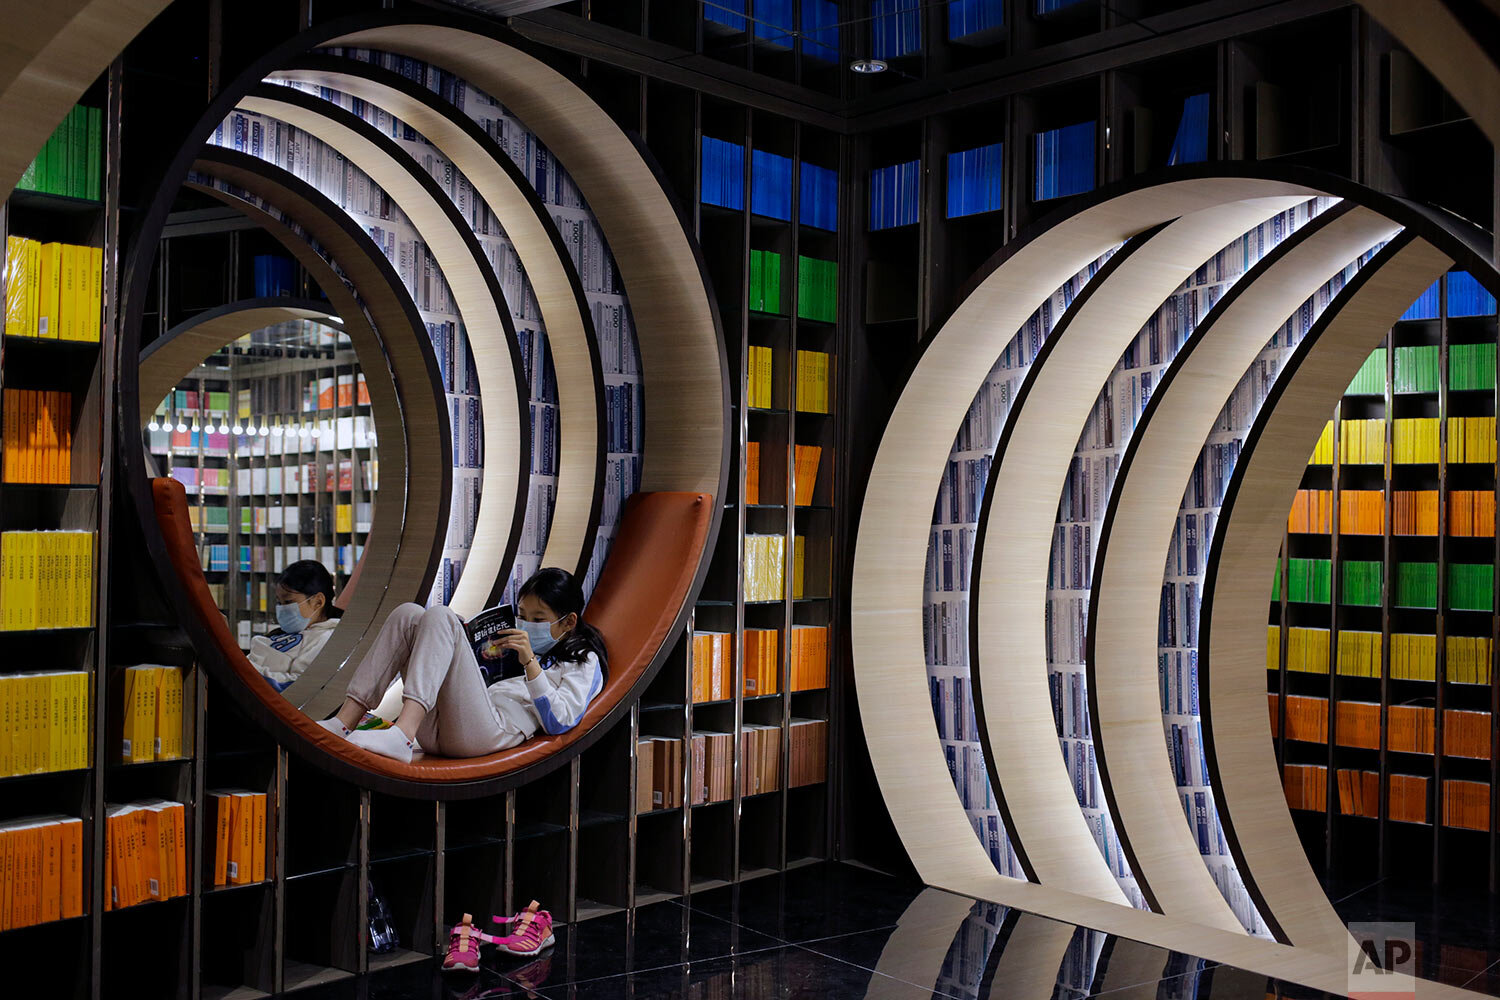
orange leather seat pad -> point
(638, 597)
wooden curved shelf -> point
(891, 550)
(683, 362)
(52, 53)
(167, 360)
(480, 301)
(1007, 590)
(1242, 557)
(1124, 696)
(549, 269)
(405, 397)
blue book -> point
(1427, 304)
(729, 13)
(1063, 161)
(773, 22)
(723, 173)
(818, 191)
(974, 180)
(820, 31)
(967, 18)
(1191, 143)
(895, 28)
(770, 185)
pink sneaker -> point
(531, 931)
(463, 947)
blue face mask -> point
(290, 617)
(540, 634)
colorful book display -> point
(814, 369)
(46, 580)
(43, 857)
(38, 442)
(69, 164)
(145, 852)
(53, 291)
(44, 722)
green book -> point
(69, 157)
(757, 294)
(95, 153)
(1361, 583)
(1370, 379)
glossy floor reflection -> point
(830, 931)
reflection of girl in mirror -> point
(446, 707)
(306, 616)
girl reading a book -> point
(448, 705)
(306, 616)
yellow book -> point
(67, 293)
(9, 587)
(56, 720)
(96, 305)
(145, 713)
(34, 292)
(258, 839)
(45, 606)
(50, 278)
(30, 563)
(7, 877)
(7, 727)
(85, 577)
(17, 287)
(127, 719)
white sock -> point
(335, 726)
(390, 742)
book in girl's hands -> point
(484, 635)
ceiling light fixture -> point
(869, 66)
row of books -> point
(1413, 657)
(53, 291)
(895, 28)
(337, 477)
(1064, 161)
(760, 372)
(1466, 804)
(809, 652)
(1471, 440)
(145, 852)
(1471, 513)
(712, 775)
(1359, 792)
(70, 161)
(44, 722)
(41, 859)
(762, 666)
(658, 775)
(814, 369)
(894, 195)
(1306, 786)
(1414, 441)
(273, 275)
(660, 763)
(805, 460)
(38, 439)
(1409, 728)
(967, 18)
(1190, 144)
(1467, 297)
(765, 281)
(148, 723)
(46, 580)
(238, 820)
(1361, 582)
(817, 289)
(1362, 442)
(1309, 581)
(764, 556)
(1471, 587)
(275, 558)
(713, 666)
(975, 180)
(723, 184)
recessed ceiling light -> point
(868, 66)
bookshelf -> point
(306, 488)
(1390, 687)
(56, 372)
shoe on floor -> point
(463, 947)
(531, 931)
(335, 727)
(390, 743)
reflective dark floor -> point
(834, 930)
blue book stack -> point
(1064, 161)
(895, 27)
(1466, 297)
(967, 18)
(723, 178)
(770, 185)
(773, 22)
(729, 13)
(1044, 7)
(820, 30)
(974, 180)
(274, 275)
(1427, 304)
(819, 202)
(1191, 144)
(893, 195)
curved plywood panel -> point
(889, 560)
(492, 339)
(916, 950)
(549, 269)
(168, 359)
(50, 55)
(682, 362)
(407, 392)
(1124, 696)
(1008, 584)
(1252, 522)
(1031, 964)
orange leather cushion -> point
(645, 580)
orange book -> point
(752, 472)
(241, 813)
(221, 810)
(52, 837)
(152, 868)
(111, 894)
(258, 839)
(72, 867)
(179, 820)
(7, 879)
